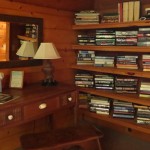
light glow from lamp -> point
(47, 51)
(27, 49)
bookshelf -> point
(138, 73)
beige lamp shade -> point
(27, 49)
(47, 51)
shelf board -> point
(134, 98)
(139, 49)
(128, 123)
(134, 24)
(113, 70)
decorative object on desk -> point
(47, 51)
(16, 79)
(26, 50)
(1, 77)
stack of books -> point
(100, 105)
(110, 18)
(86, 39)
(128, 38)
(83, 100)
(126, 85)
(146, 62)
(105, 37)
(144, 89)
(84, 80)
(87, 17)
(104, 81)
(31, 30)
(85, 57)
(127, 62)
(104, 61)
(123, 109)
(143, 114)
(143, 37)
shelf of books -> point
(129, 123)
(134, 98)
(113, 69)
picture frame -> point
(16, 79)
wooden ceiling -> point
(70, 5)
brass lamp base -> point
(49, 83)
(48, 72)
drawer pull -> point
(42, 106)
(69, 99)
(10, 117)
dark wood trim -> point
(23, 19)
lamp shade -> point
(27, 49)
(47, 51)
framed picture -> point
(16, 79)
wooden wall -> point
(57, 29)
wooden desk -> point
(34, 102)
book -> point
(136, 10)
(131, 8)
(120, 12)
(5, 98)
(125, 11)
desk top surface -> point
(35, 92)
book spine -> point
(120, 12)
(136, 10)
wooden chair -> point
(63, 139)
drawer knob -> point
(10, 117)
(69, 99)
(42, 106)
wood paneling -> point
(57, 29)
(72, 5)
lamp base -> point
(49, 83)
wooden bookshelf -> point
(129, 123)
(113, 70)
(138, 73)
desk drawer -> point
(41, 107)
(68, 99)
(10, 116)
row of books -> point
(117, 83)
(115, 108)
(129, 11)
(140, 37)
(87, 57)
(110, 17)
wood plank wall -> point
(57, 29)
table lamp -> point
(47, 51)
(27, 49)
